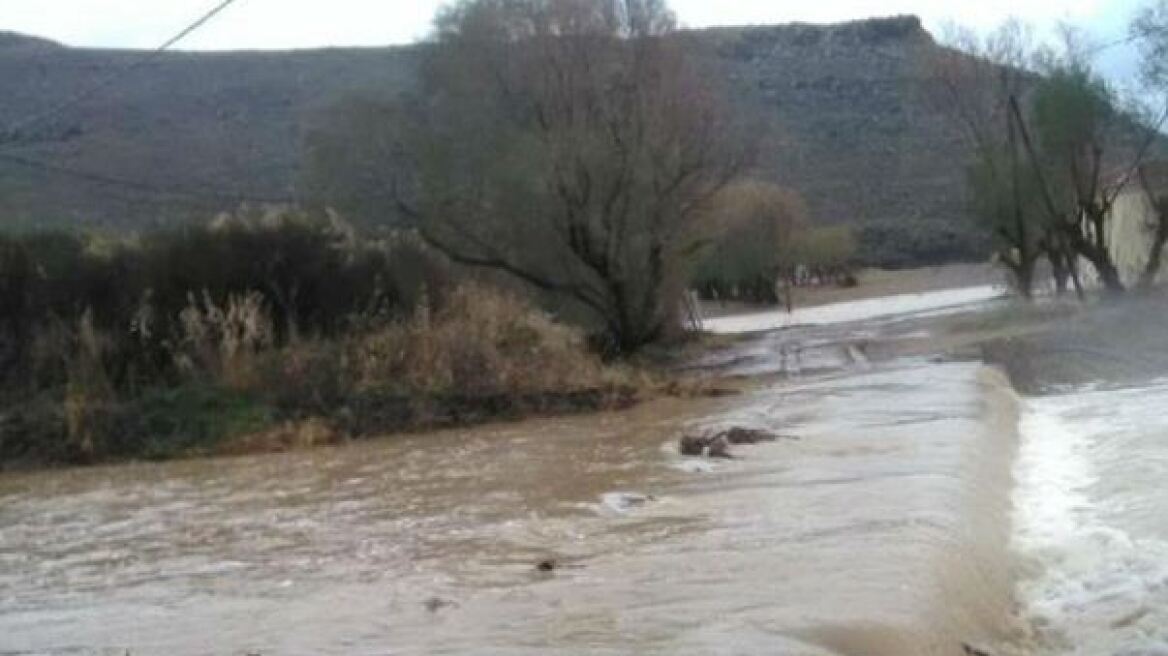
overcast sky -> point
(308, 23)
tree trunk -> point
(1156, 253)
(1024, 277)
(1109, 275)
(1099, 257)
(1073, 267)
(1060, 271)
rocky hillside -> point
(186, 134)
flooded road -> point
(881, 529)
(920, 305)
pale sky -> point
(251, 24)
(308, 23)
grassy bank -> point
(265, 333)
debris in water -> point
(973, 651)
(625, 501)
(718, 444)
(719, 448)
(692, 445)
(435, 604)
(547, 565)
(711, 446)
(748, 436)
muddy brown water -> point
(880, 530)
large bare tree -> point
(573, 144)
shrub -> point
(479, 342)
(266, 330)
(152, 295)
(167, 422)
(222, 342)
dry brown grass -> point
(481, 342)
(287, 436)
(224, 340)
(89, 393)
(480, 355)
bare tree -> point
(573, 144)
(974, 81)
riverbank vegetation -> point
(264, 329)
(543, 196)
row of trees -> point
(1054, 147)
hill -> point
(183, 135)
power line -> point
(1135, 35)
(207, 196)
(96, 87)
(102, 83)
(1103, 47)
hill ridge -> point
(854, 132)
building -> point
(1134, 220)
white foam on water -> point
(623, 502)
(1089, 519)
(934, 303)
(694, 466)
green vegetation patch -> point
(187, 420)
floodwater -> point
(1091, 521)
(879, 527)
(924, 304)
